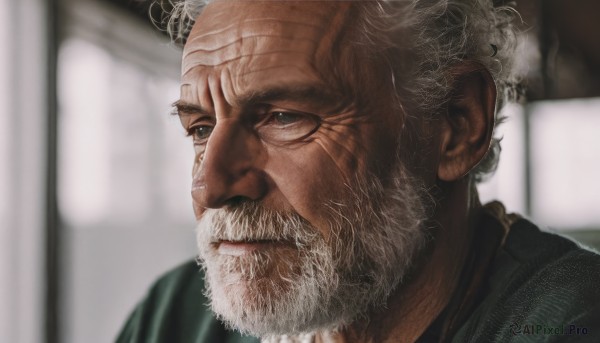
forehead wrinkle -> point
(279, 66)
(212, 33)
(240, 57)
(209, 34)
(235, 80)
(241, 43)
(217, 35)
(244, 38)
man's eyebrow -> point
(313, 95)
(182, 107)
(307, 94)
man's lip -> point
(239, 248)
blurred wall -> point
(124, 167)
(23, 143)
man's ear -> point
(466, 129)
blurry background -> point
(94, 173)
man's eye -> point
(201, 133)
(286, 127)
(286, 118)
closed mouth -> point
(243, 247)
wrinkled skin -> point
(230, 72)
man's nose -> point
(229, 169)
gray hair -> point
(444, 33)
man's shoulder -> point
(176, 310)
(543, 281)
(528, 244)
(547, 263)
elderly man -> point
(337, 145)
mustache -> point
(250, 221)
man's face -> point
(306, 215)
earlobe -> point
(467, 127)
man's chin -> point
(257, 303)
(269, 291)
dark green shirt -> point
(539, 288)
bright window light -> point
(565, 142)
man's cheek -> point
(308, 179)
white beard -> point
(313, 284)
